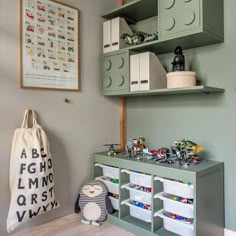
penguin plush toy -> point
(93, 202)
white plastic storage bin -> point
(137, 195)
(178, 208)
(139, 178)
(112, 187)
(115, 203)
(176, 188)
(109, 171)
(176, 226)
(137, 212)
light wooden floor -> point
(71, 226)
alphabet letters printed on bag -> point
(30, 168)
(31, 173)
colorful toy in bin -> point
(115, 181)
(140, 204)
(177, 217)
(140, 188)
(182, 199)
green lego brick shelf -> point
(201, 89)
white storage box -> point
(112, 187)
(115, 203)
(137, 195)
(180, 79)
(146, 72)
(139, 179)
(176, 226)
(138, 212)
(112, 31)
(109, 171)
(178, 208)
(176, 188)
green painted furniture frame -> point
(207, 179)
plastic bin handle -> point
(160, 214)
(156, 214)
(172, 182)
(123, 202)
(126, 171)
(159, 178)
(160, 196)
(100, 165)
(124, 186)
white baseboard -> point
(229, 233)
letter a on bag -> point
(31, 174)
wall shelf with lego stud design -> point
(191, 23)
(188, 23)
(172, 91)
(135, 11)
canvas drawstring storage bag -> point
(31, 173)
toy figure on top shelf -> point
(139, 38)
(139, 143)
(135, 146)
(166, 155)
(189, 145)
(179, 60)
(111, 149)
(188, 152)
(180, 78)
(184, 152)
(130, 147)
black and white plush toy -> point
(93, 202)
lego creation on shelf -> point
(183, 152)
(111, 149)
(139, 37)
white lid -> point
(181, 73)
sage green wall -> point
(75, 130)
(210, 120)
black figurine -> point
(179, 60)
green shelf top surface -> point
(122, 158)
(171, 91)
(135, 10)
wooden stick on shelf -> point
(122, 2)
(123, 121)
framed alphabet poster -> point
(49, 45)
